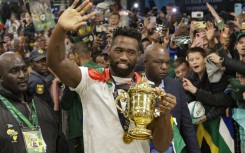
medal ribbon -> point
(125, 86)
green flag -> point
(218, 134)
(178, 142)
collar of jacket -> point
(12, 97)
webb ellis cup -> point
(141, 104)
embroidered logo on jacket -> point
(12, 133)
(40, 88)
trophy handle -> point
(157, 111)
(162, 93)
(124, 97)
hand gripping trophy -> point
(141, 109)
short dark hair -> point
(180, 61)
(105, 56)
(38, 37)
(10, 35)
(145, 39)
(196, 50)
(80, 47)
(116, 2)
(128, 32)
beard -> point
(122, 72)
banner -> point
(188, 6)
(42, 15)
(8, 1)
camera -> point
(197, 14)
(101, 31)
(159, 29)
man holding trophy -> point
(157, 62)
(105, 128)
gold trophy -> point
(141, 103)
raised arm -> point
(213, 12)
(70, 20)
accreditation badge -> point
(34, 140)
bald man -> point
(156, 61)
(21, 113)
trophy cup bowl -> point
(141, 101)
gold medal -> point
(126, 138)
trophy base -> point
(140, 134)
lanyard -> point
(125, 86)
(18, 115)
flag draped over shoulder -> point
(218, 134)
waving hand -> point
(73, 17)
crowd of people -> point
(58, 87)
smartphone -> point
(154, 11)
(201, 24)
(243, 26)
(153, 19)
(184, 21)
(102, 36)
(197, 14)
(199, 39)
(182, 40)
(238, 8)
(175, 10)
(16, 40)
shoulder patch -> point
(39, 88)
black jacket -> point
(51, 131)
(231, 65)
(234, 65)
(182, 114)
(211, 94)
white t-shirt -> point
(102, 130)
